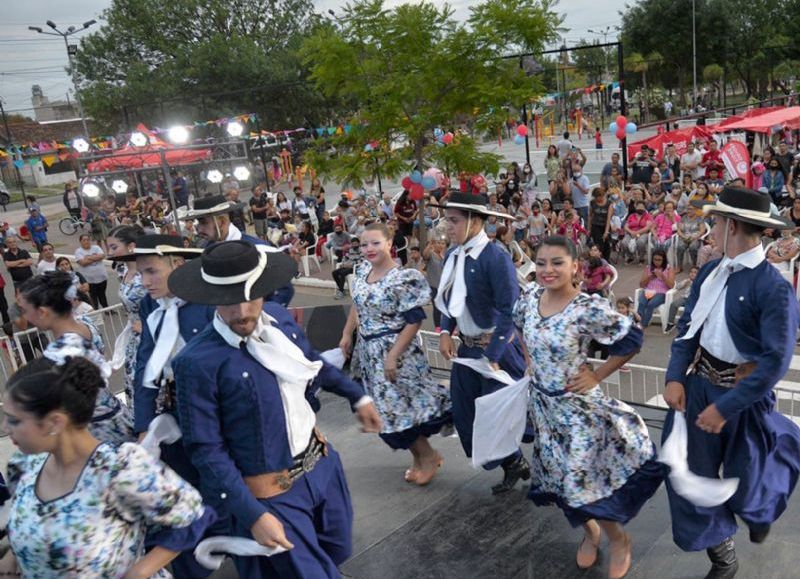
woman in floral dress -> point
(81, 507)
(122, 241)
(46, 302)
(387, 311)
(592, 456)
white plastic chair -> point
(526, 268)
(310, 256)
(787, 274)
(662, 310)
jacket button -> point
(741, 298)
(223, 495)
(245, 374)
(294, 336)
(194, 330)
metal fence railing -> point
(638, 384)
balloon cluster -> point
(620, 127)
(416, 184)
(522, 132)
(441, 137)
(372, 146)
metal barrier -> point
(638, 384)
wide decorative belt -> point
(719, 372)
(271, 484)
(481, 340)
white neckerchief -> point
(167, 316)
(714, 285)
(233, 233)
(453, 275)
(277, 353)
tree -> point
(414, 68)
(149, 51)
(640, 65)
(713, 75)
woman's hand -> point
(583, 381)
(346, 344)
(8, 565)
(136, 326)
(390, 366)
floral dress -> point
(586, 447)
(112, 420)
(130, 294)
(98, 529)
(384, 308)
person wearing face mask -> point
(601, 211)
(579, 189)
(528, 184)
(774, 181)
(637, 226)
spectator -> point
(258, 209)
(349, 263)
(712, 158)
(605, 173)
(282, 203)
(643, 166)
(571, 227)
(564, 146)
(538, 224)
(579, 189)
(305, 240)
(708, 252)
(597, 273)
(64, 264)
(317, 194)
(601, 212)
(237, 216)
(180, 188)
(690, 162)
(37, 226)
(90, 259)
(785, 158)
(683, 288)
(323, 231)
(673, 161)
(781, 253)
(773, 181)
(386, 207)
(33, 204)
(415, 260)
(301, 205)
(73, 200)
(4, 303)
(665, 225)
(405, 210)
(657, 279)
(637, 226)
(18, 261)
(47, 259)
(337, 241)
(690, 229)
(667, 176)
(433, 254)
(552, 164)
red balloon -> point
(522, 130)
(448, 138)
(621, 133)
(621, 121)
(406, 182)
(416, 192)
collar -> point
(747, 260)
(233, 339)
(233, 233)
(474, 246)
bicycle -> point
(70, 224)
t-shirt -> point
(690, 158)
(433, 269)
(260, 202)
(19, 273)
(44, 266)
(642, 170)
(579, 198)
(564, 147)
(592, 278)
(714, 160)
(95, 272)
(785, 161)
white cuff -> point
(363, 401)
(442, 332)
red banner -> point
(737, 161)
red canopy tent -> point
(679, 137)
(131, 157)
(776, 119)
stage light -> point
(139, 139)
(241, 173)
(120, 186)
(178, 135)
(90, 190)
(235, 129)
(214, 176)
(81, 145)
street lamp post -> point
(694, 61)
(71, 51)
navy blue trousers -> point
(466, 385)
(759, 446)
(318, 520)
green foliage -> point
(713, 73)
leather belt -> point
(479, 341)
(719, 372)
(271, 484)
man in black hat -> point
(735, 341)
(244, 390)
(213, 215)
(477, 292)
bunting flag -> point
(19, 163)
(48, 160)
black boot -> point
(758, 533)
(723, 560)
(514, 469)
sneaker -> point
(339, 295)
(669, 328)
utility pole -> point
(694, 61)
(17, 172)
(622, 107)
(525, 122)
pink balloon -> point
(448, 138)
(417, 192)
(522, 130)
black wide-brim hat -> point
(209, 206)
(470, 203)
(746, 205)
(232, 272)
(160, 245)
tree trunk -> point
(644, 97)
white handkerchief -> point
(231, 546)
(482, 367)
(499, 423)
(163, 428)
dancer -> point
(243, 399)
(213, 215)
(387, 311)
(735, 341)
(476, 295)
(121, 241)
(592, 455)
(46, 302)
(81, 507)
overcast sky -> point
(28, 58)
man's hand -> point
(710, 420)
(675, 396)
(268, 531)
(369, 418)
(447, 347)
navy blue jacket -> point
(492, 291)
(232, 416)
(761, 312)
(192, 319)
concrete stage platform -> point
(455, 528)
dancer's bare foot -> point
(587, 551)
(620, 552)
(430, 465)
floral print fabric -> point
(112, 421)
(415, 397)
(585, 446)
(98, 529)
(130, 294)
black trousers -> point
(4, 306)
(97, 294)
(340, 276)
(437, 315)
